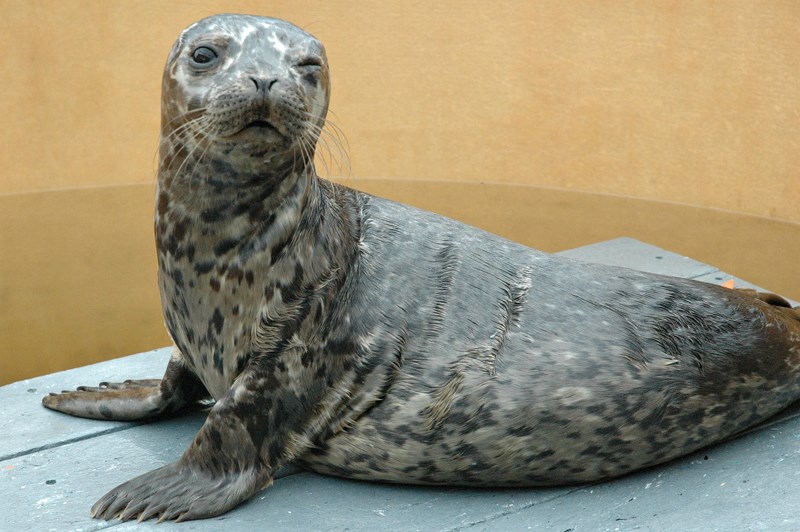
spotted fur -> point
(367, 339)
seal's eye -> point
(309, 62)
(203, 56)
(310, 69)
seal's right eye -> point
(203, 57)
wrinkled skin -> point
(371, 340)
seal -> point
(367, 339)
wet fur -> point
(372, 340)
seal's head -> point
(246, 90)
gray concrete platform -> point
(53, 467)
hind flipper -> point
(773, 300)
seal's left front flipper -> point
(132, 399)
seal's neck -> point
(234, 212)
(203, 177)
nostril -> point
(263, 84)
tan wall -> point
(693, 102)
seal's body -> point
(368, 339)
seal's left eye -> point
(203, 56)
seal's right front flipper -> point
(234, 455)
(133, 400)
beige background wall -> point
(694, 102)
(690, 102)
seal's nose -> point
(263, 85)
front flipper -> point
(181, 490)
(264, 421)
(133, 399)
(235, 454)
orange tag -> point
(728, 284)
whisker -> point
(207, 132)
(327, 138)
(320, 155)
(198, 136)
(307, 150)
(179, 133)
(174, 133)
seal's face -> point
(244, 89)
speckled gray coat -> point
(372, 340)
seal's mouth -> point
(258, 127)
(259, 124)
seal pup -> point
(368, 339)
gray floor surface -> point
(53, 467)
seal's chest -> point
(207, 310)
